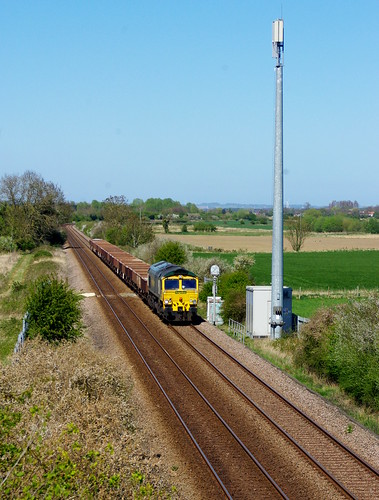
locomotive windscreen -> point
(189, 284)
(171, 284)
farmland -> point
(331, 268)
(261, 241)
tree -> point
(137, 231)
(297, 232)
(171, 251)
(34, 208)
(244, 263)
(123, 226)
(53, 310)
(116, 211)
(165, 224)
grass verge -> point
(13, 290)
(68, 430)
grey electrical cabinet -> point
(258, 310)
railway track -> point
(358, 478)
(247, 455)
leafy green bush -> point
(54, 310)
(7, 244)
(171, 251)
(206, 291)
(232, 288)
(372, 226)
(202, 226)
(234, 305)
(343, 345)
(41, 253)
(314, 342)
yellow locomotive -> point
(173, 291)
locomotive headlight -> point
(168, 302)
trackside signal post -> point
(215, 272)
(277, 231)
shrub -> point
(7, 244)
(54, 310)
(232, 288)
(26, 244)
(234, 306)
(202, 267)
(204, 227)
(343, 345)
(372, 226)
(355, 353)
(40, 254)
(171, 251)
(243, 263)
(314, 342)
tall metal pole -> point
(277, 231)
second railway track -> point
(247, 456)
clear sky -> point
(175, 98)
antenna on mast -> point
(278, 41)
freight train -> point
(170, 290)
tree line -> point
(31, 211)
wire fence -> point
(22, 334)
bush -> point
(313, 347)
(372, 226)
(54, 310)
(234, 306)
(343, 345)
(204, 227)
(355, 351)
(26, 244)
(232, 288)
(171, 251)
(41, 254)
(7, 244)
(202, 267)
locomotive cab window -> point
(188, 284)
(171, 284)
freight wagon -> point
(170, 290)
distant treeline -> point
(339, 217)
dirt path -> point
(315, 243)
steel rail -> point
(282, 398)
(171, 404)
(312, 459)
(289, 403)
(193, 439)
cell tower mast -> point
(277, 231)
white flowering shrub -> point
(343, 345)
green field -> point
(317, 277)
(317, 271)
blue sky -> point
(175, 98)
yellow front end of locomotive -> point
(180, 293)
